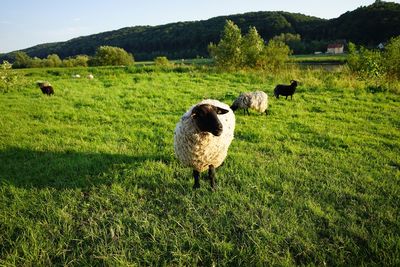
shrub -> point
(111, 56)
(22, 60)
(274, 56)
(382, 68)
(8, 77)
(52, 61)
(78, 61)
(367, 63)
(162, 62)
(391, 58)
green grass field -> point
(320, 59)
(88, 177)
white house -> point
(335, 49)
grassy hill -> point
(366, 25)
(88, 176)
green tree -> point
(81, 61)
(292, 40)
(366, 63)
(22, 60)
(274, 56)
(227, 53)
(252, 47)
(234, 52)
(52, 60)
(37, 63)
(162, 61)
(77, 61)
(111, 56)
(8, 77)
(353, 58)
(391, 57)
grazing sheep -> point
(202, 137)
(257, 100)
(285, 90)
(90, 76)
(46, 88)
(76, 76)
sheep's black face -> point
(294, 83)
(206, 118)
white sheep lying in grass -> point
(202, 137)
(257, 100)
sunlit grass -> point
(88, 176)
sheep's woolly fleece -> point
(197, 149)
(257, 100)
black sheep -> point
(285, 90)
(46, 88)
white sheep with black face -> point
(202, 137)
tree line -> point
(233, 51)
(368, 26)
(104, 56)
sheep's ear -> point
(220, 111)
(194, 112)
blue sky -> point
(25, 23)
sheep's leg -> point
(286, 97)
(211, 176)
(266, 112)
(247, 110)
(196, 175)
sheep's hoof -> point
(196, 186)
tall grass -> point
(88, 176)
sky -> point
(25, 23)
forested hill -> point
(366, 25)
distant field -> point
(321, 58)
(302, 59)
(88, 177)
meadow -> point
(88, 177)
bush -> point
(111, 56)
(78, 61)
(22, 60)
(274, 56)
(8, 77)
(391, 58)
(379, 67)
(162, 62)
(52, 61)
